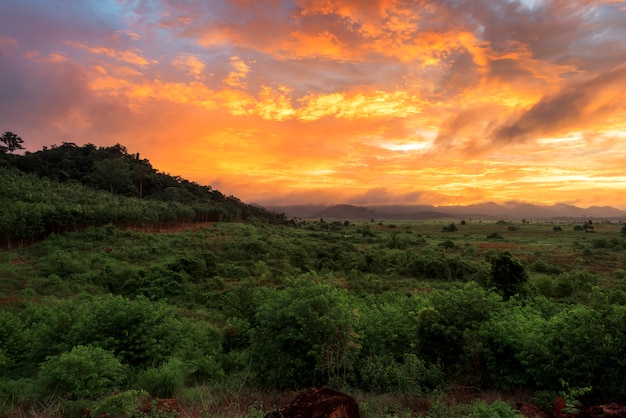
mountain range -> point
(486, 211)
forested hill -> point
(70, 187)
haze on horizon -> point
(344, 101)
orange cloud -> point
(190, 64)
(320, 45)
(238, 75)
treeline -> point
(68, 187)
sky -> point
(364, 102)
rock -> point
(319, 403)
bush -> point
(124, 404)
(511, 349)
(304, 336)
(12, 342)
(139, 332)
(542, 266)
(450, 228)
(165, 381)
(587, 347)
(86, 372)
(445, 327)
(409, 376)
(477, 409)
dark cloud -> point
(383, 195)
(577, 105)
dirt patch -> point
(602, 411)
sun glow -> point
(342, 101)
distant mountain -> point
(346, 212)
(487, 210)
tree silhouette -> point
(11, 142)
(508, 275)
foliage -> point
(409, 375)
(124, 404)
(304, 336)
(140, 332)
(10, 142)
(166, 380)
(450, 228)
(54, 190)
(588, 347)
(508, 275)
(477, 409)
(85, 372)
(510, 348)
(446, 327)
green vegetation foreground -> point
(102, 317)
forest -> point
(122, 286)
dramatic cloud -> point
(342, 101)
(578, 106)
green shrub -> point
(12, 342)
(542, 266)
(15, 394)
(164, 381)
(304, 336)
(139, 332)
(477, 409)
(587, 346)
(408, 376)
(85, 372)
(446, 327)
(497, 409)
(510, 348)
(123, 404)
(495, 236)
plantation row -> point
(99, 317)
(33, 207)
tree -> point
(304, 336)
(508, 274)
(85, 372)
(11, 142)
(114, 174)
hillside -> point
(68, 188)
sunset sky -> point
(363, 102)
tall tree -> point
(508, 274)
(11, 142)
